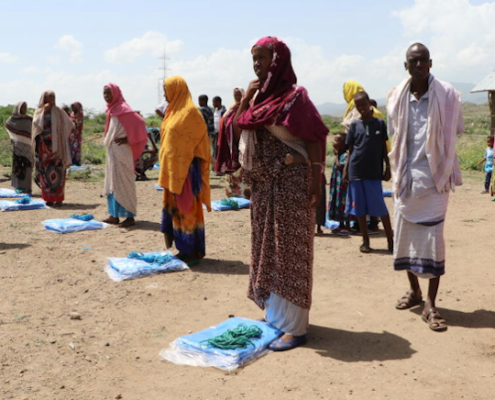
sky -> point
(76, 50)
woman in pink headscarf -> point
(125, 138)
(282, 152)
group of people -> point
(272, 144)
(48, 147)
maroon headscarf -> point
(133, 123)
(280, 101)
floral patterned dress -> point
(50, 171)
(338, 194)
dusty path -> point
(360, 347)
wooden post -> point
(491, 102)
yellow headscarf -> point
(183, 138)
(350, 90)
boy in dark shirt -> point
(367, 139)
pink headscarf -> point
(280, 101)
(133, 123)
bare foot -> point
(111, 220)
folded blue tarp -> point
(218, 206)
(192, 350)
(119, 269)
(158, 187)
(67, 225)
(387, 193)
(330, 224)
(9, 193)
(7, 205)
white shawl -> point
(62, 126)
(444, 123)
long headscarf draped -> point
(61, 126)
(19, 127)
(133, 123)
(351, 88)
(281, 102)
(228, 153)
(183, 137)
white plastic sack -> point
(119, 269)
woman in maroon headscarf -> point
(282, 152)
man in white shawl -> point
(425, 117)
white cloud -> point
(72, 46)
(150, 43)
(460, 36)
(30, 70)
(7, 58)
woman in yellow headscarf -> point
(184, 172)
(351, 114)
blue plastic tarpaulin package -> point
(241, 202)
(10, 193)
(119, 269)
(156, 166)
(387, 193)
(67, 225)
(330, 224)
(34, 204)
(192, 350)
(158, 187)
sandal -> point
(127, 223)
(408, 300)
(111, 220)
(434, 320)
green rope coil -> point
(237, 338)
(231, 203)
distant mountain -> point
(338, 109)
(465, 88)
(333, 109)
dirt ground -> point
(360, 346)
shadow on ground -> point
(474, 319)
(12, 246)
(352, 346)
(226, 267)
(78, 206)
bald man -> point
(425, 117)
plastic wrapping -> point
(218, 206)
(330, 224)
(387, 193)
(34, 204)
(191, 349)
(156, 166)
(10, 193)
(67, 225)
(119, 269)
(158, 187)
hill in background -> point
(338, 109)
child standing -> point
(488, 160)
(338, 188)
(367, 138)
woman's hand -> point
(47, 107)
(121, 141)
(253, 87)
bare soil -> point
(360, 346)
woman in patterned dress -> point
(19, 127)
(51, 130)
(75, 139)
(184, 172)
(280, 125)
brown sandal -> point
(408, 300)
(434, 320)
